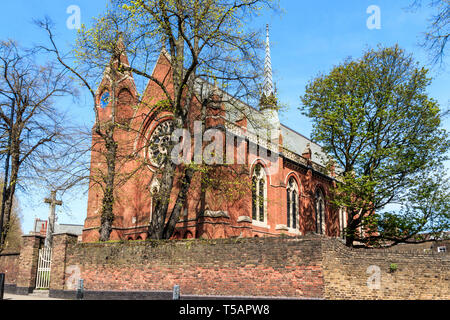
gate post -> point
(58, 276)
(28, 262)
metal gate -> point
(43, 270)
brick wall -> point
(305, 267)
(28, 263)
(9, 266)
(252, 267)
(418, 275)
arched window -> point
(154, 192)
(342, 222)
(292, 204)
(259, 194)
(320, 212)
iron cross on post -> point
(51, 219)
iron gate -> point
(44, 267)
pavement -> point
(8, 296)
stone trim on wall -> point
(215, 214)
(244, 219)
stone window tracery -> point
(342, 222)
(292, 204)
(259, 194)
(159, 142)
(320, 212)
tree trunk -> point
(11, 189)
(181, 201)
(159, 215)
(107, 217)
(351, 230)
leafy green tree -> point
(424, 214)
(374, 118)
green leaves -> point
(373, 116)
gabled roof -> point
(236, 110)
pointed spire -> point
(268, 83)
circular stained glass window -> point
(104, 100)
(159, 142)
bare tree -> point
(13, 240)
(31, 125)
(102, 54)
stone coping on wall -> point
(337, 242)
(212, 242)
(66, 234)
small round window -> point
(104, 100)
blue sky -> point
(310, 37)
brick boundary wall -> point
(309, 267)
(28, 263)
(9, 265)
(418, 275)
(271, 267)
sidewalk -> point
(8, 296)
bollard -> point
(176, 292)
(2, 285)
(80, 290)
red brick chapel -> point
(291, 197)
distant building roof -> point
(69, 228)
(40, 228)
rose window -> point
(159, 142)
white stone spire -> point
(268, 82)
(268, 100)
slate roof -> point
(256, 121)
(69, 228)
(297, 143)
(237, 110)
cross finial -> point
(51, 219)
